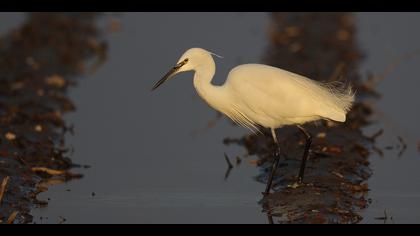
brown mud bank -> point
(39, 61)
(321, 46)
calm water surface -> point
(149, 165)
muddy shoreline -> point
(40, 61)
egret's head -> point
(190, 60)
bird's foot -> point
(296, 185)
(300, 180)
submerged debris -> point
(238, 160)
(61, 220)
(385, 218)
(230, 167)
(10, 136)
(376, 135)
(12, 217)
(55, 80)
(3, 187)
(403, 146)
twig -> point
(379, 151)
(3, 188)
(48, 170)
(228, 162)
(337, 174)
(376, 135)
(230, 166)
(12, 217)
(60, 173)
(404, 145)
(384, 218)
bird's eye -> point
(186, 60)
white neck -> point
(203, 76)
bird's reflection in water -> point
(270, 219)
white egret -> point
(256, 95)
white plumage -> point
(273, 97)
(259, 95)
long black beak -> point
(169, 75)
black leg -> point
(273, 171)
(275, 164)
(305, 154)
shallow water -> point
(148, 162)
(385, 37)
(149, 165)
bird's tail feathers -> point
(343, 98)
(343, 92)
